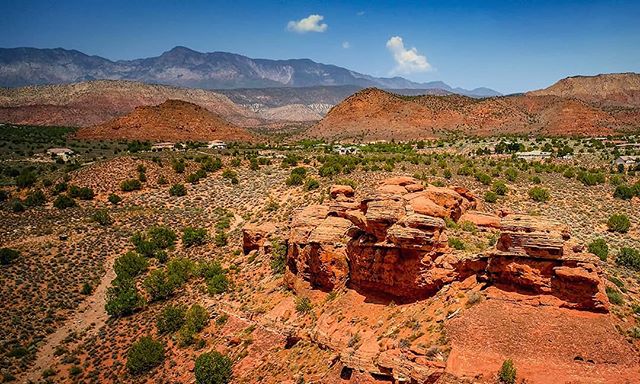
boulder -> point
(254, 236)
(481, 219)
(341, 190)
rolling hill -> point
(173, 120)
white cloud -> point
(407, 60)
(311, 23)
(360, 13)
(346, 45)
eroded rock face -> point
(393, 242)
(255, 236)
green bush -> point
(629, 257)
(82, 193)
(217, 284)
(536, 180)
(180, 270)
(171, 319)
(130, 185)
(130, 265)
(624, 192)
(178, 190)
(102, 217)
(26, 179)
(511, 174)
(4, 195)
(303, 305)
(500, 188)
(63, 202)
(278, 257)
(158, 285)
(539, 194)
(311, 184)
(196, 320)
(178, 165)
(17, 206)
(490, 197)
(297, 176)
(230, 175)
(456, 243)
(483, 178)
(144, 355)
(220, 239)
(599, 248)
(114, 199)
(193, 236)
(569, 173)
(507, 373)
(59, 188)
(614, 296)
(7, 255)
(619, 223)
(35, 198)
(213, 368)
(591, 178)
(123, 298)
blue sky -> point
(510, 46)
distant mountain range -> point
(184, 67)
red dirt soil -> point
(546, 344)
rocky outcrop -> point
(393, 242)
(256, 236)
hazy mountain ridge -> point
(184, 67)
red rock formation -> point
(256, 236)
(393, 242)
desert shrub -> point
(193, 178)
(456, 243)
(8, 255)
(102, 217)
(624, 192)
(511, 174)
(59, 188)
(507, 373)
(193, 236)
(16, 206)
(303, 304)
(215, 277)
(26, 178)
(171, 319)
(162, 180)
(569, 173)
(536, 180)
(483, 178)
(130, 185)
(196, 320)
(539, 194)
(63, 202)
(180, 270)
(123, 298)
(178, 190)
(213, 368)
(211, 165)
(114, 199)
(4, 195)
(297, 176)
(590, 178)
(178, 165)
(629, 257)
(35, 198)
(82, 193)
(311, 184)
(130, 265)
(220, 239)
(490, 197)
(278, 257)
(230, 175)
(618, 223)
(500, 188)
(614, 296)
(87, 289)
(158, 285)
(144, 355)
(162, 237)
(599, 248)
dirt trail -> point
(90, 316)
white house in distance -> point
(163, 146)
(628, 162)
(217, 144)
(63, 153)
(533, 155)
(346, 150)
